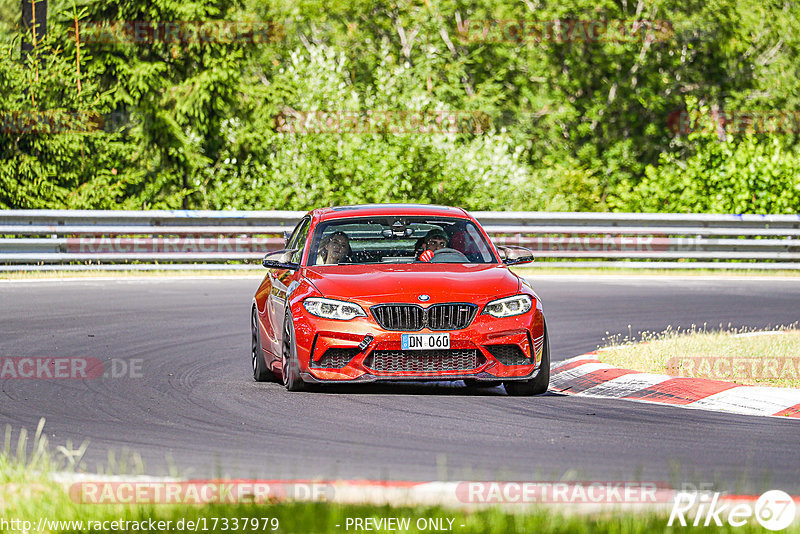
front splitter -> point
(366, 378)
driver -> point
(334, 248)
(434, 240)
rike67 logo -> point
(774, 510)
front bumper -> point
(367, 378)
(504, 349)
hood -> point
(443, 282)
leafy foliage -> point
(752, 174)
(569, 105)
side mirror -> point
(280, 259)
(515, 255)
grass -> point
(742, 356)
(28, 493)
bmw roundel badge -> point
(424, 298)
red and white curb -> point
(587, 376)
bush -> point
(745, 174)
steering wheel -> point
(449, 255)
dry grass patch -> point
(746, 357)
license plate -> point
(425, 341)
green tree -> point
(55, 147)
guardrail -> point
(81, 239)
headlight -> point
(333, 309)
(509, 306)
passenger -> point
(434, 240)
(334, 249)
(462, 242)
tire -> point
(260, 371)
(291, 366)
(538, 384)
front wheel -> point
(538, 384)
(290, 364)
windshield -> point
(398, 240)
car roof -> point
(377, 210)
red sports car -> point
(397, 292)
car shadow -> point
(451, 388)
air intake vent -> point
(335, 358)
(508, 354)
(423, 361)
(410, 317)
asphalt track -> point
(196, 408)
